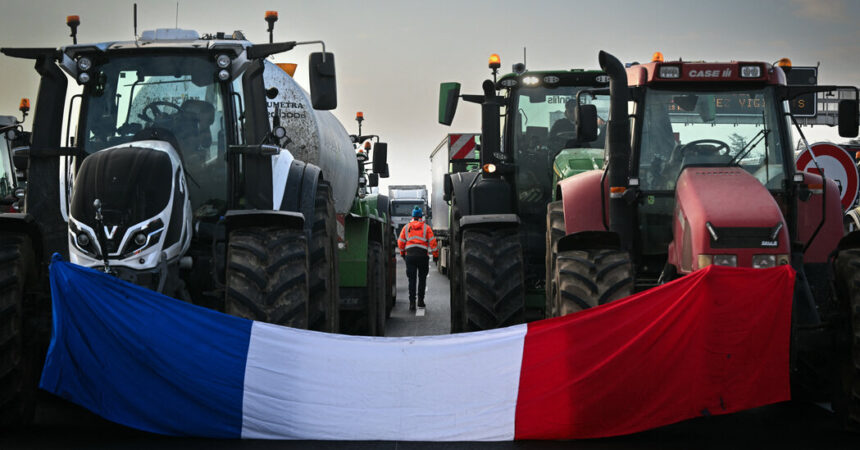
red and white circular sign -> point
(837, 164)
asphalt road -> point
(787, 425)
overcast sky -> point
(392, 55)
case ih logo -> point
(695, 73)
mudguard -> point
(809, 217)
(589, 240)
(462, 183)
(581, 198)
(245, 218)
(23, 223)
(300, 191)
(483, 219)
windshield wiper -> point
(751, 145)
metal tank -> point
(315, 137)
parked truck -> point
(707, 176)
(456, 153)
(402, 200)
(180, 180)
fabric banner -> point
(713, 342)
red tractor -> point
(700, 170)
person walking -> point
(416, 242)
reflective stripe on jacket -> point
(417, 234)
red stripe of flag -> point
(467, 148)
(713, 342)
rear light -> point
(750, 71)
(670, 72)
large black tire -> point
(588, 278)
(17, 369)
(848, 283)
(378, 269)
(455, 275)
(324, 300)
(555, 230)
(267, 276)
(390, 271)
(494, 278)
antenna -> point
(176, 25)
(524, 56)
(135, 22)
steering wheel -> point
(156, 113)
(717, 146)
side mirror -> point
(323, 82)
(449, 95)
(848, 126)
(21, 158)
(373, 180)
(585, 118)
(447, 187)
(384, 173)
(380, 157)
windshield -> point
(403, 208)
(710, 128)
(543, 126)
(7, 172)
(173, 98)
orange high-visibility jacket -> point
(417, 234)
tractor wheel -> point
(390, 261)
(494, 281)
(555, 230)
(848, 283)
(455, 275)
(18, 371)
(324, 298)
(590, 278)
(378, 269)
(267, 276)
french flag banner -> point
(713, 342)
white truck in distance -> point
(402, 199)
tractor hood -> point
(725, 211)
(144, 205)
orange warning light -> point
(784, 63)
(73, 20)
(495, 61)
(359, 115)
(657, 57)
(24, 106)
(271, 15)
(367, 145)
(290, 68)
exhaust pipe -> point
(621, 212)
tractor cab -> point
(540, 124)
(700, 132)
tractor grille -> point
(743, 237)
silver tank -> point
(317, 137)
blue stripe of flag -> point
(142, 359)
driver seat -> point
(198, 116)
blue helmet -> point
(416, 212)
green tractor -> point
(498, 212)
(367, 288)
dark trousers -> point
(417, 266)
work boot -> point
(412, 305)
(421, 303)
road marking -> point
(419, 312)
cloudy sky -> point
(392, 55)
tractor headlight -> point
(84, 64)
(768, 261)
(718, 260)
(223, 61)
